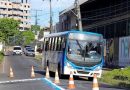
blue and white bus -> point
(75, 51)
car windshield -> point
(84, 53)
(17, 48)
(28, 48)
(31, 50)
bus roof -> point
(72, 31)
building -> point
(56, 28)
(68, 19)
(17, 9)
(108, 17)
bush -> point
(117, 77)
(1, 56)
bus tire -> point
(59, 71)
(90, 78)
(47, 63)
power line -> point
(36, 16)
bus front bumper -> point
(83, 73)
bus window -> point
(50, 43)
(83, 51)
(53, 43)
(55, 48)
(59, 44)
(46, 45)
(63, 43)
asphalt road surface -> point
(22, 80)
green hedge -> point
(38, 57)
(1, 56)
(117, 77)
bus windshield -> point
(84, 53)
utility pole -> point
(50, 17)
(36, 15)
(36, 18)
(51, 21)
(78, 14)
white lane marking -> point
(20, 80)
(54, 84)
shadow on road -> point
(40, 72)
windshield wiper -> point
(79, 44)
(81, 49)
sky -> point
(43, 10)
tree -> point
(41, 33)
(35, 28)
(8, 27)
(28, 37)
(19, 38)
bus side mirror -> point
(69, 50)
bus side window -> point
(55, 48)
(50, 43)
(54, 40)
(59, 44)
(63, 43)
(46, 46)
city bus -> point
(74, 51)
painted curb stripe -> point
(56, 87)
(21, 80)
(53, 84)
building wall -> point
(124, 51)
(108, 17)
(18, 11)
(67, 21)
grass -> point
(38, 57)
(1, 57)
(117, 77)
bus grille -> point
(82, 72)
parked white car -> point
(17, 50)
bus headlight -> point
(98, 68)
(69, 66)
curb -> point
(53, 85)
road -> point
(22, 80)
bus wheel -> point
(59, 71)
(90, 78)
(47, 63)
